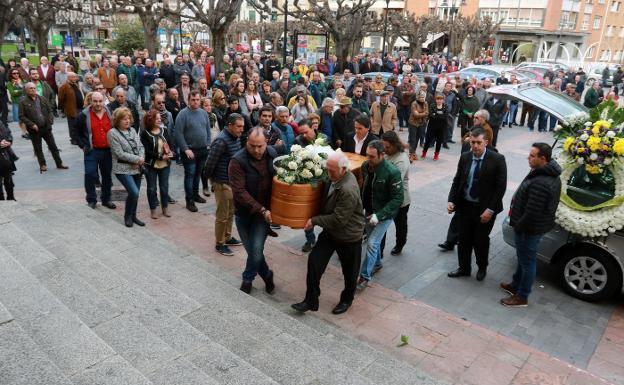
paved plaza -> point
(458, 331)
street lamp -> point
(385, 33)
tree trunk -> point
(41, 35)
(415, 48)
(217, 36)
(357, 45)
(169, 33)
(342, 50)
(391, 43)
(150, 33)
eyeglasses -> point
(14, 73)
(160, 102)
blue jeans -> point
(158, 176)
(132, 184)
(15, 111)
(526, 251)
(510, 116)
(193, 169)
(253, 231)
(310, 237)
(94, 161)
(373, 249)
(404, 113)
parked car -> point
(587, 268)
(487, 72)
(532, 75)
(549, 65)
(595, 73)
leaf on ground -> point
(404, 340)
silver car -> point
(590, 269)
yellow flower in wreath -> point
(594, 143)
(568, 143)
(618, 147)
(592, 169)
(596, 130)
(580, 150)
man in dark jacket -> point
(362, 135)
(382, 196)
(167, 73)
(342, 220)
(343, 122)
(496, 107)
(251, 172)
(477, 194)
(122, 101)
(533, 209)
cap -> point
(346, 101)
(384, 93)
(301, 88)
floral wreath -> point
(595, 142)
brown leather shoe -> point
(63, 166)
(508, 288)
(514, 301)
(43, 168)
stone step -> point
(21, 361)
(164, 337)
(56, 330)
(161, 258)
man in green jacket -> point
(592, 97)
(382, 196)
(342, 220)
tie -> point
(474, 187)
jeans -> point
(533, 117)
(310, 237)
(15, 111)
(253, 231)
(132, 184)
(526, 251)
(94, 160)
(192, 172)
(400, 224)
(415, 134)
(158, 176)
(511, 114)
(373, 250)
(404, 113)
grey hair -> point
(281, 109)
(341, 158)
(327, 102)
(485, 114)
(120, 89)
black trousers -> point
(434, 133)
(6, 181)
(350, 255)
(400, 223)
(495, 130)
(71, 124)
(36, 138)
(473, 235)
(4, 109)
(452, 234)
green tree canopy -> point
(128, 37)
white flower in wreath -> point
(309, 165)
(580, 161)
(292, 165)
(295, 148)
(306, 174)
(593, 156)
(588, 124)
(558, 127)
(289, 179)
(607, 161)
(320, 142)
(610, 134)
(318, 171)
(307, 154)
(584, 137)
(280, 171)
(317, 159)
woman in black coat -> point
(7, 163)
(438, 122)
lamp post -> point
(385, 33)
(285, 39)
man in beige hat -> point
(343, 122)
(383, 114)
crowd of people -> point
(133, 117)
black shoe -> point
(341, 308)
(307, 247)
(446, 246)
(224, 250)
(128, 222)
(269, 283)
(445, 145)
(138, 221)
(26, 136)
(190, 206)
(110, 205)
(172, 201)
(451, 141)
(92, 205)
(303, 307)
(98, 184)
(275, 226)
(74, 142)
(481, 274)
(233, 242)
(199, 199)
(458, 273)
(396, 251)
(246, 287)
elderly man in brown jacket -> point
(36, 114)
(71, 101)
(108, 76)
(384, 115)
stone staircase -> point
(84, 300)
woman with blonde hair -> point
(254, 101)
(128, 160)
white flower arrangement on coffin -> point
(304, 165)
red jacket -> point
(49, 78)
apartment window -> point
(568, 20)
(585, 25)
(609, 30)
(622, 32)
(615, 7)
(597, 20)
(617, 56)
(601, 1)
(590, 53)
